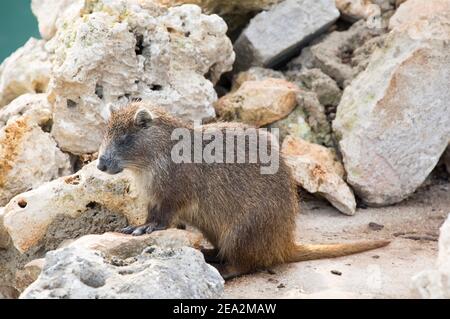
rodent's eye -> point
(125, 140)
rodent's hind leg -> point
(229, 272)
(212, 255)
(142, 229)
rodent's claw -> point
(141, 230)
(127, 230)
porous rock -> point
(26, 71)
(334, 54)
(116, 50)
(88, 202)
(114, 246)
(73, 272)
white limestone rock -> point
(26, 71)
(160, 273)
(67, 200)
(119, 50)
(51, 14)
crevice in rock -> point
(139, 44)
(99, 91)
(71, 103)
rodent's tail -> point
(311, 252)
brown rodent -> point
(249, 217)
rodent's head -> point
(131, 138)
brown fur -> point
(247, 216)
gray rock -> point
(315, 80)
(393, 121)
(157, 273)
(307, 121)
(274, 36)
(335, 53)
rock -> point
(4, 237)
(361, 56)
(52, 13)
(258, 103)
(126, 246)
(35, 106)
(393, 121)
(235, 12)
(435, 283)
(29, 273)
(353, 10)
(334, 54)
(295, 124)
(255, 74)
(375, 227)
(29, 156)
(276, 35)
(114, 245)
(26, 71)
(84, 203)
(399, 2)
(317, 170)
(157, 273)
(385, 5)
(237, 7)
(316, 117)
(308, 121)
(415, 12)
(315, 80)
(120, 50)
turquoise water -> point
(17, 25)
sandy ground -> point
(412, 226)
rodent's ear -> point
(143, 118)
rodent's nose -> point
(101, 164)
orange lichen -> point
(14, 133)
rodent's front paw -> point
(141, 230)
